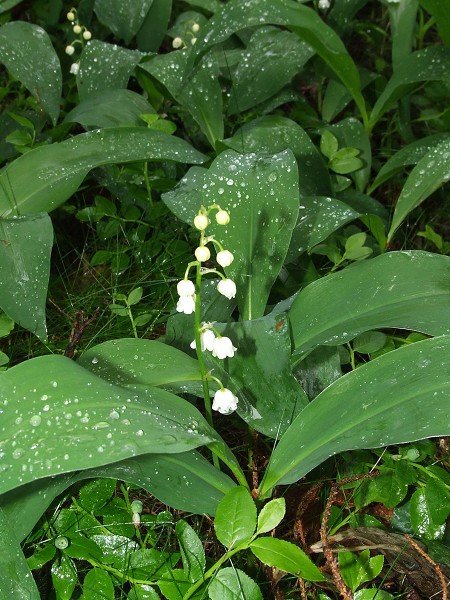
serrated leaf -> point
(430, 507)
(271, 515)
(64, 577)
(192, 552)
(98, 584)
(287, 557)
(233, 584)
(235, 520)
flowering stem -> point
(200, 357)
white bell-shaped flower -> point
(207, 338)
(223, 348)
(224, 258)
(225, 401)
(227, 288)
(185, 287)
(186, 304)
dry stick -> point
(328, 553)
(435, 566)
(303, 505)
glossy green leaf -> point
(318, 218)
(235, 521)
(304, 21)
(287, 557)
(176, 585)
(59, 417)
(98, 584)
(154, 27)
(260, 373)
(318, 370)
(200, 92)
(269, 62)
(271, 515)
(398, 397)
(273, 134)
(429, 64)
(16, 580)
(25, 249)
(261, 195)
(44, 178)
(192, 552)
(427, 176)
(94, 494)
(408, 155)
(233, 584)
(407, 290)
(351, 133)
(104, 67)
(27, 52)
(185, 481)
(430, 507)
(439, 10)
(124, 19)
(357, 569)
(141, 362)
(111, 108)
(142, 592)
(64, 577)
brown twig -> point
(435, 566)
(80, 323)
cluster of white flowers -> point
(179, 42)
(220, 346)
(80, 30)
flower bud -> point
(195, 27)
(61, 542)
(201, 222)
(76, 29)
(74, 68)
(70, 50)
(177, 43)
(202, 253)
(227, 288)
(222, 217)
(224, 258)
(193, 40)
(87, 35)
(71, 16)
(136, 506)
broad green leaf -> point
(429, 64)
(235, 521)
(64, 577)
(439, 10)
(47, 176)
(154, 27)
(7, 5)
(261, 195)
(304, 21)
(285, 556)
(200, 93)
(124, 19)
(271, 515)
(369, 341)
(427, 176)
(110, 108)
(149, 563)
(269, 62)
(98, 584)
(398, 397)
(96, 493)
(175, 585)
(430, 507)
(142, 362)
(318, 370)
(59, 417)
(357, 569)
(233, 584)
(408, 155)
(142, 592)
(407, 290)
(25, 249)
(318, 218)
(185, 481)
(351, 133)
(82, 548)
(27, 52)
(260, 373)
(16, 581)
(192, 552)
(390, 487)
(272, 134)
(104, 67)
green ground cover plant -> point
(225, 300)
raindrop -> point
(35, 421)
